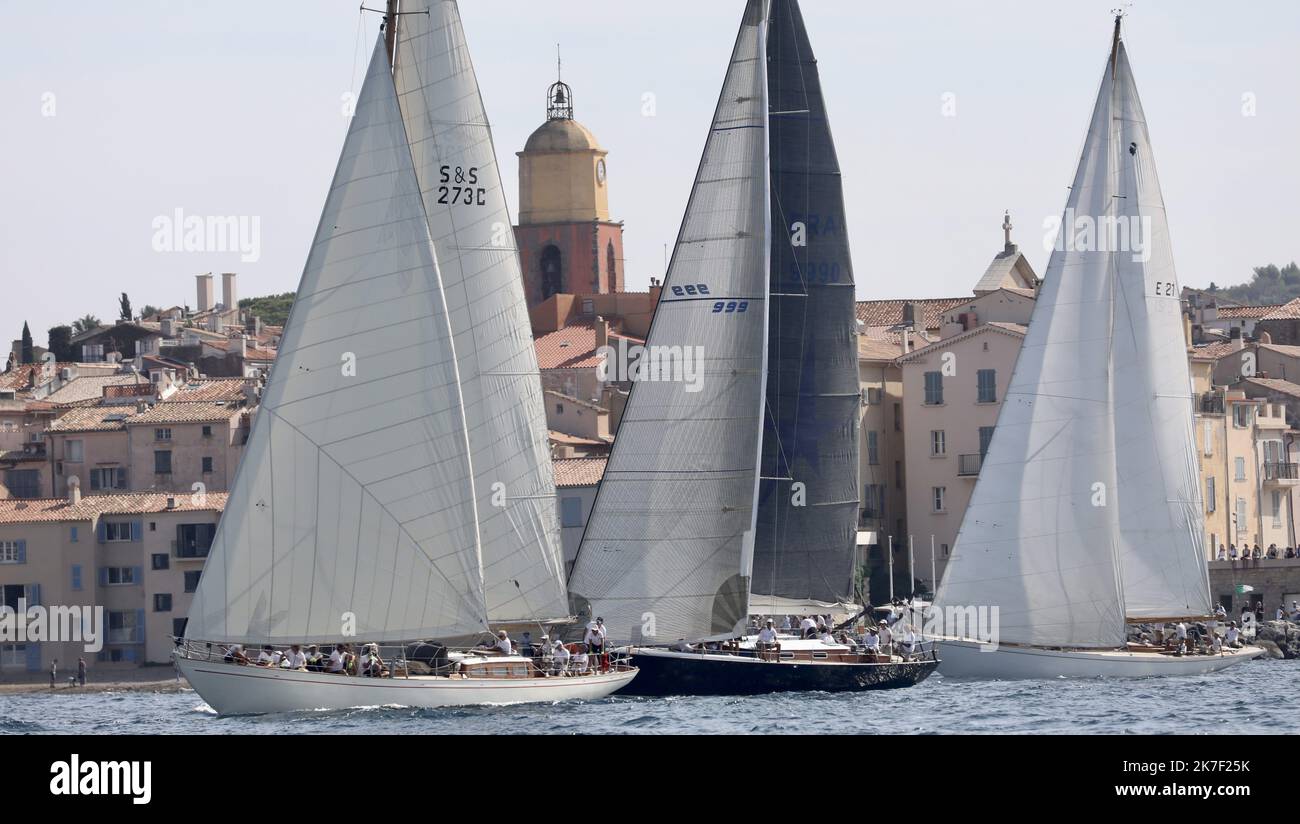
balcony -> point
(969, 465)
(1212, 403)
(1281, 473)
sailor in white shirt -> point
(1234, 635)
(296, 659)
(767, 635)
(579, 662)
(503, 643)
(336, 661)
(807, 627)
(886, 638)
(908, 644)
(268, 658)
(559, 657)
(872, 640)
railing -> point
(1281, 471)
(969, 464)
(1212, 403)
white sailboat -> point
(1087, 512)
(397, 484)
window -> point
(23, 483)
(1240, 518)
(610, 263)
(162, 602)
(13, 552)
(939, 495)
(937, 445)
(1277, 510)
(898, 417)
(161, 560)
(1239, 465)
(988, 386)
(207, 430)
(192, 580)
(108, 477)
(1209, 440)
(1242, 414)
(13, 655)
(162, 433)
(873, 448)
(933, 388)
(1210, 497)
(873, 396)
(1272, 452)
(76, 577)
(944, 547)
(559, 409)
(986, 438)
(73, 451)
(162, 462)
(123, 627)
(207, 466)
(570, 512)
(116, 532)
(194, 540)
(552, 277)
(873, 501)
(119, 576)
(92, 352)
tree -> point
(61, 343)
(85, 323)
(124, 307)
(28, 355)
(149, 310)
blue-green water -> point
(1255, 697)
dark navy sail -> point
(805, 542)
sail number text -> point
(459, 187)
(1166, 289)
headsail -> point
(668, 547)
(805, 545)
(455, 162)
(1038, 538)
(351, 500)
(1160, 506)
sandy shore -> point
(151, 679)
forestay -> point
(668, 548)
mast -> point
(391, 17)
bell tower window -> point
(552, 277)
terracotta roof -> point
(890, 312)
(90, 388)
(877, 349)
(93, 419)
(565, 439)
(212, 390)
(1247, 312)
(570, 472)
(1013, 329)
(569, 347)
(1287, 311)
(1215, 351)
(20, 377)
(1275, 385)
(577, 401)
(186, 412)
(255, 353)
(33, 510)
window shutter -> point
(137, 574)
(73, 537)
(22, 552)
(101, 532)
(33, 657)
(94, 479)
(33, 595)
(139, 626)
(137, 531)
(103, 576)
(76, 577)
(121, 478)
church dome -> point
(561, 135)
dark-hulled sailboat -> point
(741, 497)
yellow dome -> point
(561, 136)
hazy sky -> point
(233, 108)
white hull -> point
(231, 689)
(965, 659)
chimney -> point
(909, 314)
(1187, 330)
(205, 292)
(171, 502)
(602, 332)
(228, 297)
(243, 346)
(1234, 337)
(74, 490)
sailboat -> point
(1086, 516)
(743, 493)
(397, 484)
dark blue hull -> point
(721, 674)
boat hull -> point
(965, 659)
(231, 689)
(665, 672)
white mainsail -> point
(351, 503)
(1160, 522)
(668, 548)
(1038, 538)
(451, 142)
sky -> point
(944, 114)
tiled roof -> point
(570, 472)
(1247, 312)
(1282, 349)
(1287, 311)
(1275, 385)
(213, 390)
(93, 419)
(878, 349)
(569, 347)
(186, 412)
(890, 312)
(576, 401)
(90, 388)
(254, 353)
(1215, 351)
(1013, 329)
(34, 510)
(565, 439)
(20, 377)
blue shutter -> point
(137, 575)
(137, 531)
(33, 594)
(139, 627)
(128, 654)
(33, 657)
(76, 577)
(121, 478)
(101, 532)
(22, 552)
(94, 480)
(103, 576)
(74, 535)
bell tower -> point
(567, 242)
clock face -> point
(600, 171)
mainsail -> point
(455, 163)
(1038, 539)
(668, 547)
(808, 500)
(1159, 500)
(351, 505)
